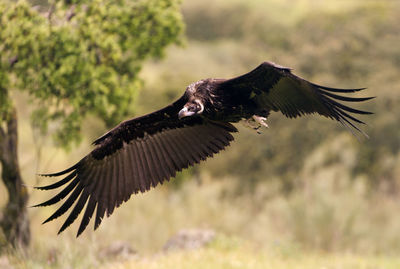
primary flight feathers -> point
(142, 152)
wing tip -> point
(52, 217)
(58, 183)
(63, 172)
(82, 227)
(338, 89)
(64, 226)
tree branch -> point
(70, 13)
(13, 60)
(2, 134)
(16, 225)
(2, 138)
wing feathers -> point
(193, 150)
(337, 90)
(143, 166)
(175, 152)
(74, 167)
(200, 148)
(135, 178)
(349, 109)
(142, 175)
(87, 179)
(58, 183)
(165, 155)
(99, 192)
(112, 192)
(101, 209)
(125, 174)
(61, 195)
(183, 150)
(67, 204)
(155, 151)
(103, 184)
(345, 98)
(76, 211)
(87, 215)
(92, 189)
(151, 166)
(271, 87)
(341, 112)
(121, 178)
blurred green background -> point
(303, 194)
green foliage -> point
(83, 58)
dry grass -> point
(329, 223)
(248, 258)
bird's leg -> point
(250, 123)
(260, 120)
(255, 123)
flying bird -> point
(143, 152)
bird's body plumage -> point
(142, 152)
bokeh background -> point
(303, 194)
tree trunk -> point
(15, 222)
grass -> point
(249, 258)
(229, 252)
(327, 223)
(224, 252)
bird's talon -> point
(260, 120)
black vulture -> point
(143, 152)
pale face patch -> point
(191, 108)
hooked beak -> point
(185, 113)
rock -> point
(119, 250)
(190, 239)
(5, 263)
(52, 255)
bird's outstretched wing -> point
(134, 156)
(276, 88)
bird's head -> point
(191, 108)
